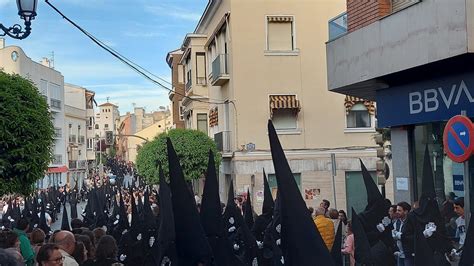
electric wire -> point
(134, 66)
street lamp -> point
(27, 12)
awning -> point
(284, 102)
(60, 169)
(213, 117)
(351, 101)
(280, 18)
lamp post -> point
(27, 12)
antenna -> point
(51, 60)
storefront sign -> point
(458, 138)
(458, 183)
(426, 101)
(402, 183)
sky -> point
(144, 31)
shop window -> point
(449, 178)
(358, 117)
(280, 33)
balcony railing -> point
(220, 71)
(57, 159)
(82, 164)
(338, 26)
(72, 164)
(81, 139)
(55, 104)
(222, 140)
(58, 133)
(72, 138)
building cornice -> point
(208, 14)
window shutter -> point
(280, 35)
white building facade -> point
(50, 83)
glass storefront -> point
(448, 175)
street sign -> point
(458, 138)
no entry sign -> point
(458, 138)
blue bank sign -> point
(427, 101)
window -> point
(280, 33)
(106, 126)
(201, 68)
(272, 182)
(180, 74)
(55, 91)
(358, 117)
(354, 187)
(44, 87)
(202, 122)
(181, 111)
(284, 119)
(284, 111)
(97, 126)
(90, 143)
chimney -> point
(2, 43)
(45, 62)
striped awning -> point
(213, 117)
(280, 18)
(350, 101)
(284, 102)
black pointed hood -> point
(73, 205)
(191, 241)
(377, 207)
(26, 212)
(272, 253)
(149, 219)
(467, 258)
(268, 203)
(424, 253)
(164, 247)
(300, 238)
(240, 237)
(373, 192)
(336, 247)
(428, 210)
(248, 211)
(135, 224)
(362, 251)
(262, 221)
(211, 218)
(65, 220)
(427, 185)
(123, 220)
(43, 225)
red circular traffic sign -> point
(458, 138)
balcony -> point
(72, 164)
(55, 104)
(72, 138)
(58, 133)
(81, 139)
(337, 26)
(57, 159)
(81, 164)
(220, 71)
(222, 140)
(408, 38)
